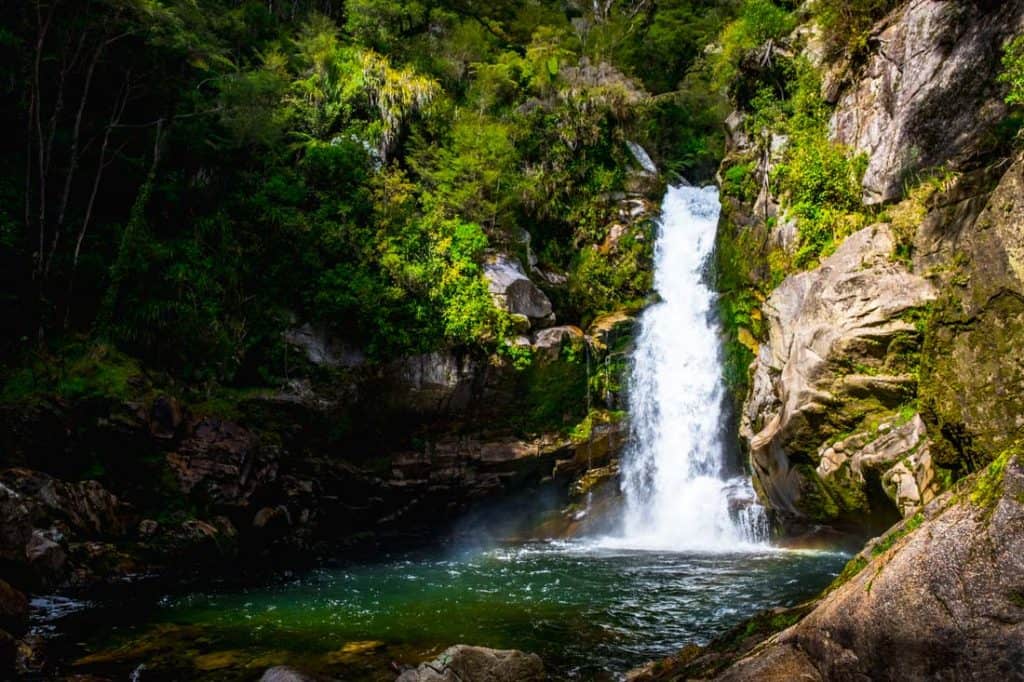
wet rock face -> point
(927, 95)
(944, 602)
(840, 349)
(461, 663)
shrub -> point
(758, 22)
(846, 24)
(738, 181)
(819, 180)
(1013, 70)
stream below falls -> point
(591, 613)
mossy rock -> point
(972, 381)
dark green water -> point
(590, 613)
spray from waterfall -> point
(678, 496)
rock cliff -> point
(839, 354)
(887, 368)
(926, 95)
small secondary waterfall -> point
(674, 473)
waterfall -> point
(678, 495)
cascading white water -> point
(677, 496)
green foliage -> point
(852, 568)
(584, 430)
(769, 622)
(758, 22)
(738, 181)
(988, 488)
(381, 24)
(894, 536)
(818, 180)
(846, 24)
(1013, 70)
(551, 396)
(347, 164)
(79, 371)
(600, 283)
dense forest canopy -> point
(186, 179)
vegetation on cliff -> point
(195, 177)
(825, 143)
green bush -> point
(758, 21)
(738, 181)
(1013, 70)
(846, 24)
(818, 180)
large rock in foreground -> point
(939, 597)
(462, 663)
(942, 602)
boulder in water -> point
(283, 673)
(462, 663)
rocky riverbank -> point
(117, 474)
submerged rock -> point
(282, 673)
(462, 663)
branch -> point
(37, 119)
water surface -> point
(590, 612)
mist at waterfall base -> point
(684, 569)
(675, 467)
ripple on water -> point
(586, 609)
